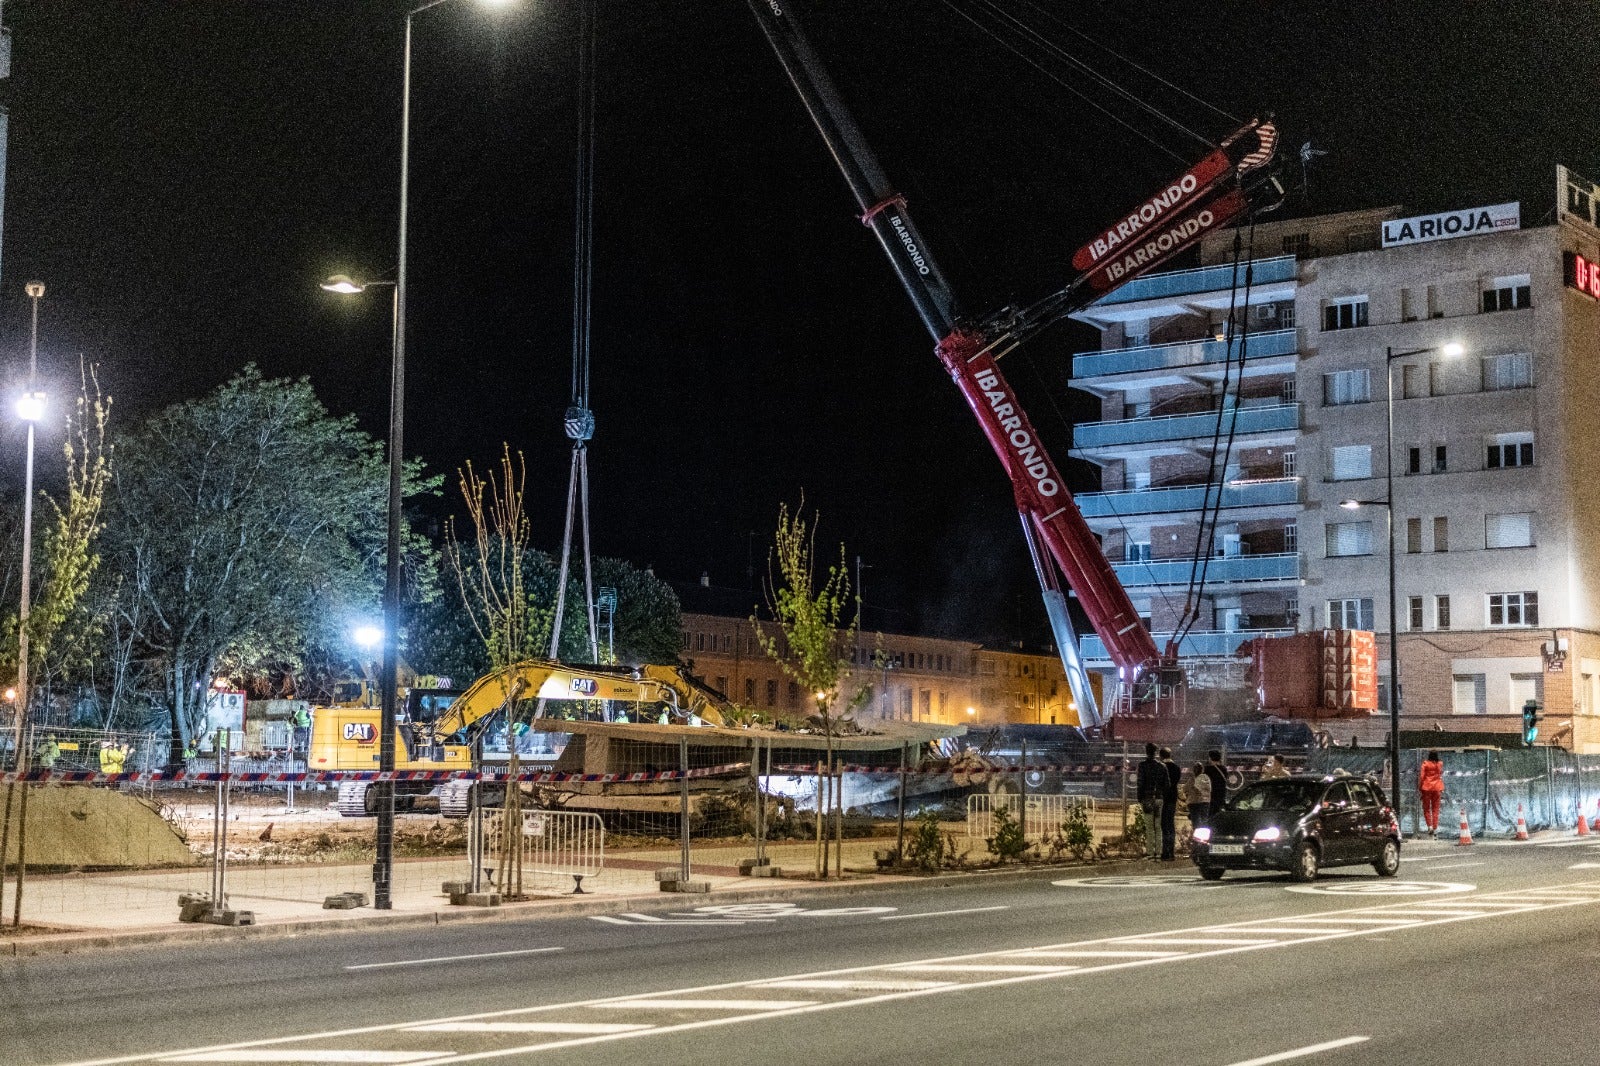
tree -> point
(649, 621)
(812, 633)
(248, 527)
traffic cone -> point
(1522, 827)
(1466, 832)
(1583, 825)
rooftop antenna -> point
(579, 418)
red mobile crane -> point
(1232, 180)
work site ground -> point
(106, 866)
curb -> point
(80, 942)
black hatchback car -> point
(1301, 824)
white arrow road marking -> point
(1302, 1052)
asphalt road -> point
(1481, 955)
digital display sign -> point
(1582, 274)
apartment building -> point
(1478, 333)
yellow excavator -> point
(435, 729)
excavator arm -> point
(542, 679)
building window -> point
(1413, 460)
(1441, 612)
(1287, 391)
(1350, 614)
(1508, 294)
(1440, 459)
(700, 642)
(1525, 687)
(794, 694)
(1291, 538)
(1509, 449)
(1414, 613)
(1508, 530)
(722, 685)
(1513, 609)
(1346, 386)
(1347, 313)
(1349, 538)
(985, 667)
(750, 691)
(1413, 536)
(1288, 463)
(1297, 245)
(1441, 534)
(1286, 316)
(1352, 462)
(772, 693)
(1513, 370)
(1469, 694)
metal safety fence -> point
(1041, 816)
(1549, 786)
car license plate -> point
(1227, 849)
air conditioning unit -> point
(1267, 311)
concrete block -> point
(700, 887)
(748, 866)
(344, 901)
(480, 899)
(669, 873)
(766, 871)
(456, 888)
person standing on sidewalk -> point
(1169, 807)
(1219, 778)
(1152, 790)
(1198, 794)
(1430, 786)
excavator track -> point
(352, 801)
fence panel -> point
(549, 851)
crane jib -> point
(1161, 244)
(1175, 197)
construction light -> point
(30, 406)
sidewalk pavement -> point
(74, 912)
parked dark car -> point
(1301, 824)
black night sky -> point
(182, 174)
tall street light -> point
(30, 408)
(1449, 351)
(383, 868)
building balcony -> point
(1197, 645)
(1156, 435)
(1266, 492)
(1186, 362)
(1187, 292)
(1281, 568)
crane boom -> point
(1209, 196)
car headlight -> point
(1202, 834)
(1267, 835)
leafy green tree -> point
(649, 620)
(812, 636)
(248, 527)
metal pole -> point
(1022, 789)
(1394, 629)
(838, 820)
(1122, 777)
(1483, 822)
(819, 816)
(35, 290)
(382, 869)
(683, 807)
(900, 833)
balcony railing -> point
(1262, 493)
(1223, 569)
(1201, 279)
(1279, 342)
(1197, 645)
(1277, 417)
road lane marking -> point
(330, 1055)
(451, 958)
(1382, 888)
(563, 1028)
(1302, 1052)
(1042, 953)
(1200, 940)
(1348, 923)
(940, 914)
(980, 967)
(1457, 866)
(857, 984)
(657, 1003)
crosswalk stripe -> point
(567, 1028)
(701, 1004)
(857, 984)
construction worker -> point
(48, 751)
(108, 757)
(301, 720)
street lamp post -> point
(383, 868)
(1449, 351)
(30, 408)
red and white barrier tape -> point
(85, 777)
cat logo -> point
(360, 732)
(585, 686)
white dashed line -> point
(1302, 1052)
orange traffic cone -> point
(1522, 827)
(1466, 832)
(1583, 825)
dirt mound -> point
(77, 827)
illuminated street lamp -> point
(382, 869)
(1450, 350)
